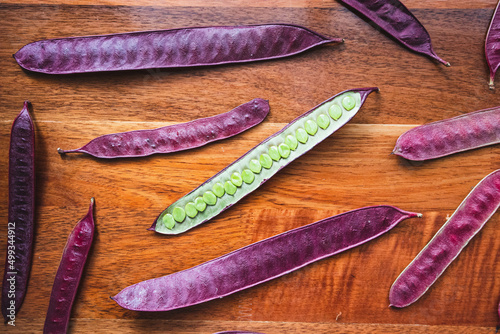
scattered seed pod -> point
(263, 161)
(395, 19)
(471, 215)
(21, 214)
(261, 261)
(492, 46)
(176, 137)
(452, 135)
(69, 274)
(186, 47)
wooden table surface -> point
(346, 293)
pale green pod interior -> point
(200, 204)
(269, 167)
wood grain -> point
(347, 293)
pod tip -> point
(419, 215)
(60, 151)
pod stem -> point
(491, 84)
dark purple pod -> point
(467, 220)
(261, 261)
(69, 274)
(461, 133)
(492, 46)
(21, 212)
(186, 47)
(396, 20)
(177, 137)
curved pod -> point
(461, 133)
(69, 274)
(492, 46)
(261, 261)
(468, 219)
(21, 214)
(176, 137)
(185, 47)
(396, 20)
(263, 161)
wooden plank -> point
(353, 168)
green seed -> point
(348, 102)
(255, 166)
(229, 188)
(168, 221)
(218, 189)
(311, 127)
(273, 153)
(236, 179)
(179, 214)
(209, 198)
(191, 210)
(284, 150)
(265, 160)
(323, 121)
(291, 141)
(248, 176)
(335, 112)
(301, 135)
(200, 204)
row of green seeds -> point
(265, 160)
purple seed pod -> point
(396, 20)
(492, 46)
(21, 212)
(261, 261)
(177, 137)
(69, 273)
(186, 47)
(260, 163)
(461, 133)
(468, 219)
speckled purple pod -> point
(492, 46)
(177, 137)
(69, 274)
(261, 261)
(476, 209)
(186, 47)
(396, 20)
(461, 133)
(21, 212)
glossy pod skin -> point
(468, 219)
(21, 214)
(69, 274)
(461, 133)
(261, 261)
(260, 163)
(492, 46)
(176, 137)
(186, 47)
(395, 19)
